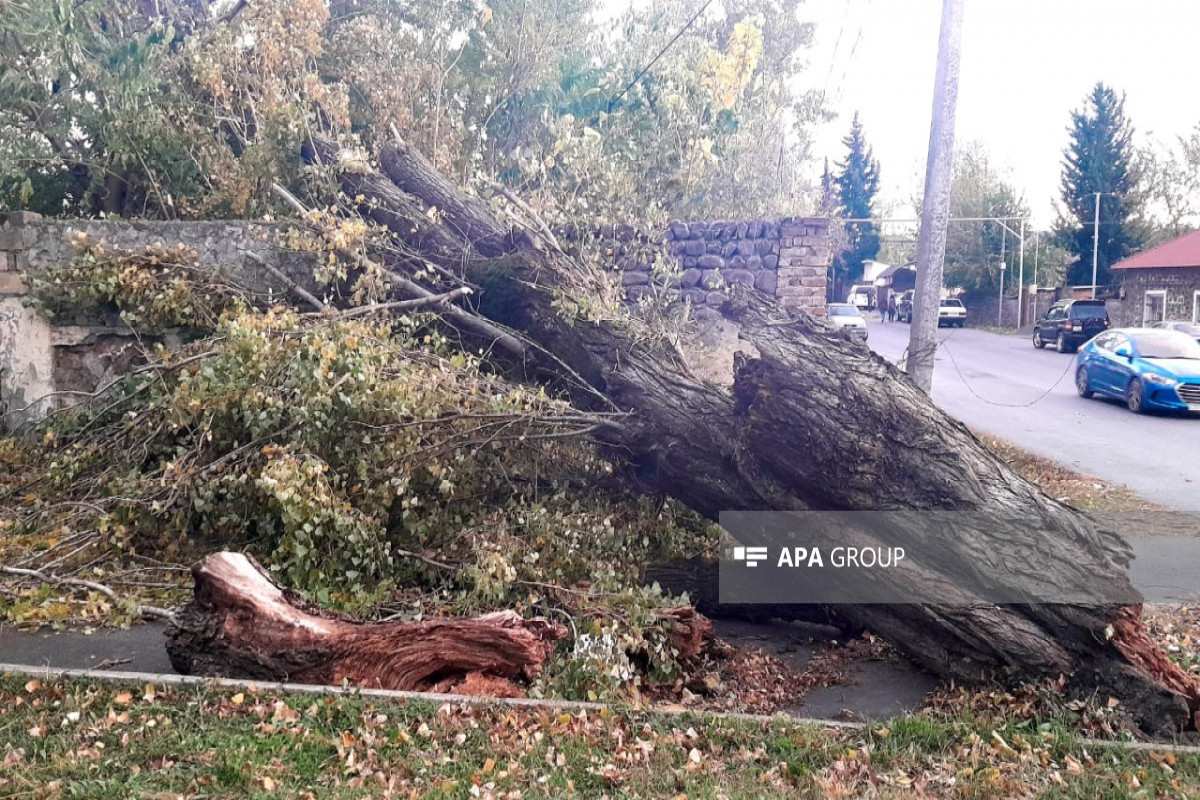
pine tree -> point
(857, 182)
(1099, 158)
(829, 200)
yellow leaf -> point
(123, 699)
(268, 784)
(488, 766)
(285, 712)
(238, 699)
(150, 694)
(33, 686)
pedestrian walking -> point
(892, 308)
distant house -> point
(886, 280)
(898, 278)
(1163, 282)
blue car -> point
(1150, 369)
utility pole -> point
(1037, 255)
(935, 207)
(1037, 251)
(1000, 302)
(1095, 243)
(1021, 280)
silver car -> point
(1192, 329)
(848, 316)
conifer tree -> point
(857, 181)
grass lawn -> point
(87, 740)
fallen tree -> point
(242, 623)
(813, 422)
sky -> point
(1026, 64)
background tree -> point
(857, 182)
(1100, 158)
(158, 109)
(1046, 261)
(1171, 181)
(973, 249)
(193, 111)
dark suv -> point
(1070, 323)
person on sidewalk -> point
(891, 311)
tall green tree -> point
(857, 182)
(1100, 158)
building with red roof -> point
(1163, 283)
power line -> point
(660, 54)
(941, 345)
(971, 389)
(833, 58)
(849, 60)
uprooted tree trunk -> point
(815, 422)
(241, 623)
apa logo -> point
(751, 555)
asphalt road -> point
(1004, 386)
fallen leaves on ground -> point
(201, 743)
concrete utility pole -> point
(1095, 243)
(1037, 253)
(935, 208)
(1000, 300)
(1021, 280)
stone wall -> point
(784, 258)
(1181, 285)
(38, 358)
(223, 245)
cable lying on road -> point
(941, 345)
(1033, 402)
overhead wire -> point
(660, 54)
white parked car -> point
(862, 297)
(847, 315)
(952, 312)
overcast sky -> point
(1025, 65)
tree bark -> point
(242, 624)
(819, 422)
